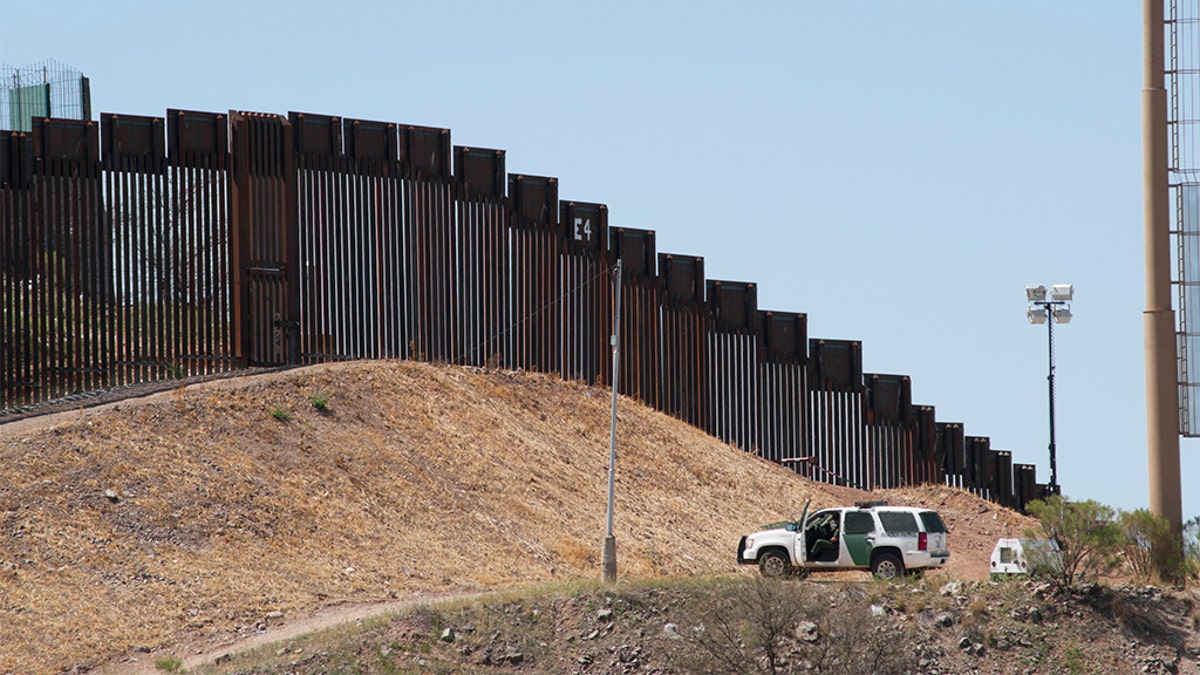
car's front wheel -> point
(887, 567)
(774, 564)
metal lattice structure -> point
(1183, 83)
(46, 89)
(150, 248)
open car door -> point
(800, 555)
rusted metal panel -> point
(138, 204)
(785, 336)
(636, 249)
(586, 291)
(133, 139)
(783, 394)
(479, 173)
(950, 449)
(19, 355)
(197, 139)
(67, 287)
(641, 298)
(1000, 471)
(733, 305)
(16, 159)
(1025, 486)
(72, 142)
(200, 225)
(889, 417)
(533, 219)
(684, 329)
(484, 318)
(371, 166)
(425, 152)
(836, 364)
(373, 146)
(976, 463)
(265, 184)
(928, 470)
(428, 216)
(889, 398)
(336, 247)
(316, 135)
(733, 386)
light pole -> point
(1058, 310)
(608, 557)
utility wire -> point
(499, 337)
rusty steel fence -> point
(143, 249)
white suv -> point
(888, 540)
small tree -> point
(1191, 541)
(1088, 539)
(1148, 543)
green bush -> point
(1191, 540)
(319, 401)
(1151, 551)
(1088, 537)
(280, 413)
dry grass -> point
(415, 479)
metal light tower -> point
(608, 559)
(1158, 320)
(1056, 309)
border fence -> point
(145, 248)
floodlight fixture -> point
(1056, 308)
(1062, 292)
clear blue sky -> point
(897, 171)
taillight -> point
(922, 541)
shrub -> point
(177, 370)
(170, 664)
(319, 401)
(280, 413)
(1191, 542)
(773, 626)
(1151, 551)
(1087, 535)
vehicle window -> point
(859, 522)
(898, 521)
(1006, 555)
(821, 518)
(933, 522)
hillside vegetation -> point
(219, 510)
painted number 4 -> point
(583, 229)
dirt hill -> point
(218, 510)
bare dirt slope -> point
(196, 516)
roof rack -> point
(868, 503)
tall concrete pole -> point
(1162, 392)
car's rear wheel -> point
(774, 564)
(887, 566)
